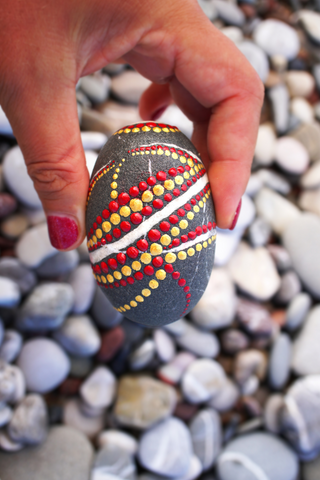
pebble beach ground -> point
(232, 391)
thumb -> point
(47, 129)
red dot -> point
(116, 284)
(172, 172)
(123, 283)
(99, 219)
(123, 198)
(157, 203)
(198, 197)
(213, 225)
(189, 183)
(151, 181)
(165, 226)
(167, 197)
(183, 188)
(187, 207)
(188, 294)
(113, 206)
(180, 169)
(95, 225)
(168, 268)
(103, 241)
(130, 280)
(91, 231)
(116, 233)
(146, 211)
(198, 176)
(193, 201)
(176, 242)
(132, 252)
(125, 226)
(192, 235)
(205, 228)
(110, 286)
(108, 237)
(97, 269)
(186, 289)
(198, 231)
(173, 219)
(136, 218)
(209, 225)
(157, 261)
(143, 186)
(121, 258)
(182, 282)
(151, 124)
(143, 245)
(112, 262)
(181, 212)
(106, 213)
(201, 194)
(187, 168)
(153, 147)
(154, 235)
(175, 275)
(99, 244)
(161, 176)
(138, 276)
(148, 270)
(172, 149)
(134, 191)
(176, 192)
(194, 179)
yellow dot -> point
(153, 152)
(190, 215)
(145, 258)
(136, 129)
(98, 278)
(141, 153)
(204, 200)
(190, 162)
(196, 209)
(95, 276)
(125, 211)
(147, 152)
(174, 156)
(147, 196)
(88, 244)
(126, 270)
(209, 241)
(99, 233)
(196, 168)
(153, 284)
(133, 154)
(192, 172)
(167, 152)
(146, 129)
(127, 130)
(117, 275)
(170, 257)
(157, 129)
(94, 238)
(182, 255)
(117, 170)
(110, 278)
(139, 298)
(183, 224)
(205, 244)
(175, 231)
(103, 279)
(146, 292)
(161, 274)
(201, 203)
(191, 252)
(133, 303)
(136, 265)
(186, 175)
(168, 184)
(172, 130)
(114, 194)
(91, 243)
(127, 307)
(136, 205)
(114, 185)
(165, 129)
(115, 218)
(115, 176)
(155, 249)
(122, 309)
(160, 151)
(198, 247)
(183, 159)
(178, 179)
(165, 239)
(158, 190)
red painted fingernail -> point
(63, 231)
(236, 216)
(157, 114)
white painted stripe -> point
(305, 443)
(200, 238)
(246, 462)
(144, 227)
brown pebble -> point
(248, 10)
(185, 411)
(70, 386)
(9, 252)
(250, 406)
(111, 342)
(279, 317)
(8, 204)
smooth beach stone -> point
(5, 414)
(142, 355)
(204, 344)
(59, 264)
(80, 367)
(297, 311)
(164, 345)
(291, 155)
(300, 416)
(259, 232)
(8, 204)
(166, 448)
(227, 244)
(246, 215)
(12, 383)
(310, 201)
(254, 185)
(230, 13)
(44, 364)
(172, 372)
(9, 293)
(310, 22)
(274, 181)
(117, 438)
(12, 268)
(208, 9)
(217, 306)
(65, 455)
(304, 250)
(279, 97)
(276, 37)
(309, 135)
(280, 256)
(34, 246)
(311, 470)
(255, 456)
(290, 287)
(150, 223)
(91, 158)
(129, 85)
(142, 401)
(272, 413)
(78, 336)
(1, 331)
(256, 56)
(17, 178)
(93, 140)
(227, 398)
(10, 346)
(311, 179)
(266, 143)
(8, 445)
(84, 287)
(96, 87)
(302, 110)
(305, 355)
(5, 127)
(248, 363)
(46, 307)
(300, 84)
(29, 422)
(177, 328)
(206, 436)
(14, 225)
(35, 216)
(112, 462)
(233, 341)
(279, 361)
(111, 343)
(173, 115)
(99, 389)
(233, 33)
(202, 380)
(73, 416)
(102, 311)
(118, 114)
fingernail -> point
(236, 216)
(63, 231)
(157, 114)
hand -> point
(47, 46)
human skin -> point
(46, 46)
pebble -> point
(46, 307)
(96, 87)
(301, 109)
(246, 216)
(5, 414)
(73, 416)
(174, 116)
(300, 416)
(14, 225)
(5, 127)
(29, 422)
(291, 155)
(300, 83)
(78, 336)
(266, 142)
(66, 454)
(233, 341)
(204, 344)
(216, 307)
(279, 98)
(17, 178)
(311, 24)
(310, 201)
(254, 272)
(103, 312)
(10, 346)
(279, 361)
(233, 33)
(311, 179)
(8, 204)
(44, 364)
(208, 9)
(99, 389)
(12, 383)
(8, 446)
(91, 158)
(176, 328)
(277, 38)
(166, 448)
(258, 59)
(280, 256)
(297, 311)
(202, 380)
(305, 355)
(172, 372)
(226, 398)
(274, 181)
(248, 363)
(290, 287)
(1, 331)
(34, 246)
(226, 246)
(310, 470)
(122, 440)
(112, 462)
(111, 343)
(9, 293)
(259, 232)
(129, 85)
(206, 436)
(93, 140)
(309, 135)
(142, 355)
(117, 115)
(164, 345)
(272, 413)
(84, 286)
(303, 250)
(257, 455)
(230, 13)
(59, 264)
(114, 68)
(142, 401)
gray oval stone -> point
(279, 361)
(297, 311)
(305, 355)
(29, 423)
(78, 336)
(206, 436)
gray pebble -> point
(84, 286)
(103, 312)
(305, 355)
(254, 317)
(119, 439)
(259, 232)
(272, 413)
(78, 336)
(308, 135)
(96, 87)
(297, 311)
(98, 390)
(73, 416)
(277, 38)
(142, 355)
(112, 461)
(176, 328)
(248, 363)
(257, 57)
(1, 332)
(34, 246)
(233, 341)
(208, 9)
(164, 345)
(226, 398)
(230, 13)
(204, 344)
(80, 367)
(206, 436)
(5, 414)
(273, 180)
(290, 287)
(12, 268)
(11, 345)
(29, 423)
(279, 361)
(311, 470)
(202, 380)
(12, 383)
(279, 97)
(9, 293)
(59, 264)
(280, 256)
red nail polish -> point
(157, 114)
(63, 231)
(236, 216)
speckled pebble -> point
(202, 380)
(29, 422)
(78, 335)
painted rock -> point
(150, 223)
